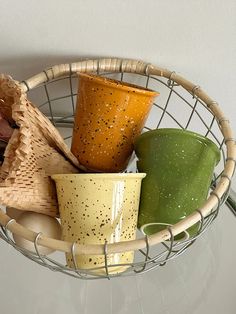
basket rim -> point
(119, 65)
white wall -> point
(195, 38)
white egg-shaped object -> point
(36, 222)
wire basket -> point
(181, 104)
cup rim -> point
(118, 176)
(119, 84)
(186, 237)
(183, 132)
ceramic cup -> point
(179, 166)
(95, 208)
(109, 115)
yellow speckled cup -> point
(95, 208)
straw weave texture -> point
(35, 151)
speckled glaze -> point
(179, 166)
(95, 208)
(109, 115)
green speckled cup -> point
(179, 166)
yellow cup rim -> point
(114, 176)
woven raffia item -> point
(34, 152)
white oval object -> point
(36, 222)
(13, 212)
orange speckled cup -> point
(109, 116)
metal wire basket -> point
(182, 104)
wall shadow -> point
(23, 67)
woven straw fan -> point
(35, 151)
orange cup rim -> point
(129, 87)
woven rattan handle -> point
(97, 65)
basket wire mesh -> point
(176, 107)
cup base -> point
(95, 264)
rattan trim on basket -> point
(139, 67)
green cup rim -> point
(164, 131)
